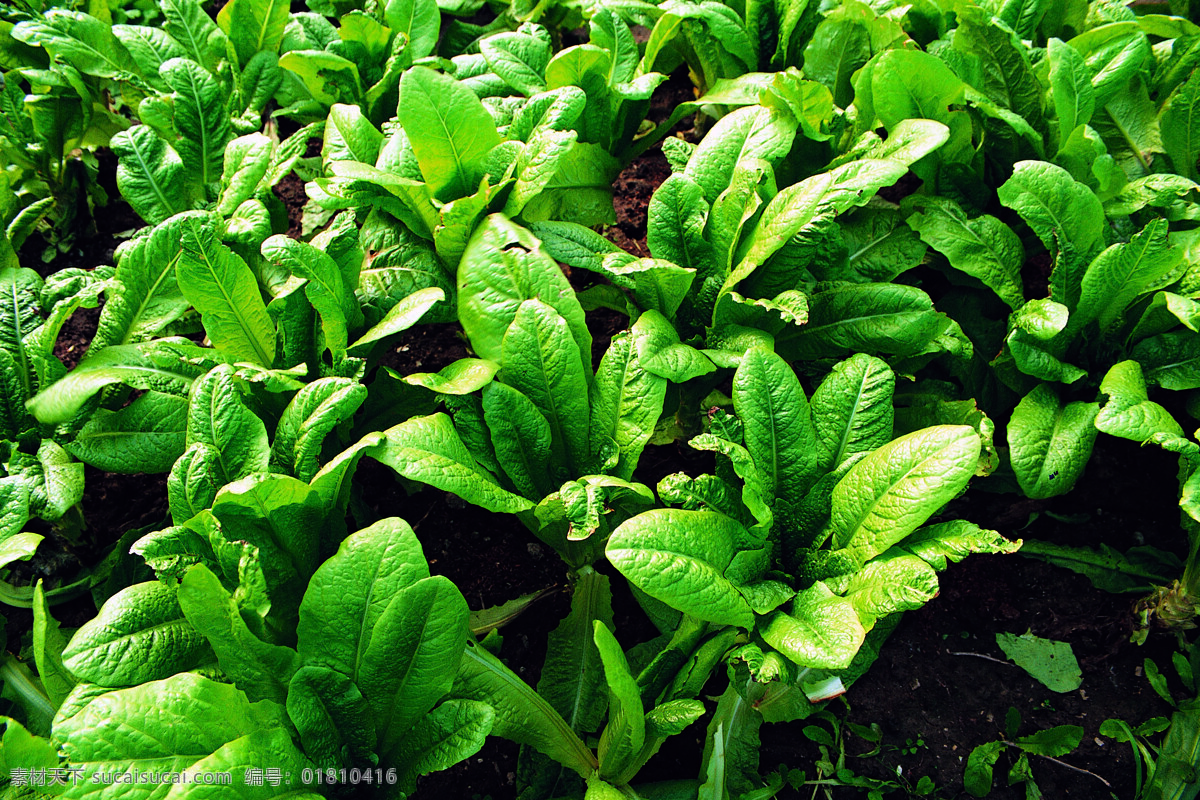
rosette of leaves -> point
(534, 431)
(814, 526)
(736, 262)
(51, 124)
(41, 483)
(356, 62)
(194, 671)
(193, 80)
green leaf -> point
(892, 491)
(145, 297)
(778, 427)
(413, 655)
(312, 415)
(419, 20)
(150, 175)
(201, 117)
(1124, 272)
(539, 360)
(452, 732)
(521, 438)
(259, 669)
(888, 319)
(627, 402)
(217, 282)
(1050, 443)
(171, 725)
(399, 318)
(1070, 87)
(139, 635)
(519, 58)
(1137, 571)
(464, 376)
(327, 76)
(984, 247)
(680, 557)
(502, 267)
(219, 418)
(189, 24)
(977, 779)
(1057, 207)
(820, 630)
(283, 518)
(450, 131)
(852, 410)
(1051, 663)
(148, 435)
(254, 26)
(48, 645)
(350, 136)
(751, 132)
(1053, 742)
(331, 716)
(625, 732)
(146, 366)
(1181, 128)
(521, 714)
(1113, 53)
(325, 288)
(80, 40)
(1129, 412)
(428, 449)
(350, 592)
(244, 166)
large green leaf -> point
(259, 669)
(312, 415)
(539, 360)
(1123, 273)
(219, 418)
(627, 401)
(350, 592)
(984, 247)
(892, 491)
(201, 117)
(450, 131)
(428, 449)
(778, 426)
(139, 635)
(1181, 127)
(820, 630)
(852, 410)
(452, 732)
(150, 175)
(217, 282)
(1050, 442)
(680, 557)
(1129, 412)
(148, 435)
(521, 438)
(146, 297)
(283, 518)
(502, 267)
(80, 40)
(254, 26)
(169, 725)
(413, 655)
(150, 366)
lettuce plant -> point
(360, 679)
(824, 535)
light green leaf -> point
(219, 418)
(1051, 663)
(312, 415)
(821, 630)
(413, 655)
(254, 26)
(201, 116)
(217, 282)
(450, 131)
(148, 435)
(1050, 443)
(331, 716)
(984, 247)
(139, 635)
(852, 410)
(1129, 412)
(452, 732)
(150, 175)
(428, 449)
(680, 557)
(48, 645)
(892, 491)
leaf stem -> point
(1063, 764)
